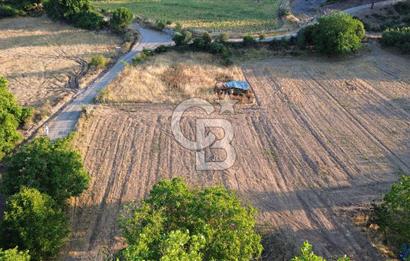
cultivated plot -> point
(325, 137)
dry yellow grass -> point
(39, 56)
(170, 77)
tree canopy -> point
(178, 223)
(51, 167)
(11, 116)
(33, 222)
(338, 34)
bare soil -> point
(325, 137)
(43, 60)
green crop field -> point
(212, 15)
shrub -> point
(222, 38)
(248, 40)
(393, 215)
(90, 20)
(66, 9)
(305, 36)
(121, 18)
(174, 221)
(338, 34)
(33, 222)
(139, 58)
(161, 49)
(98, 61)
(307, 254)
(216, 48)
(51, 167)
(14, 255)
(11, 117)
(8, 11)
(159, 25)
(399, 38)
(182, 38)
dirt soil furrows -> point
(325, 137)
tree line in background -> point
(80, 13)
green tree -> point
(66, 9)
(393, 215)
(121, 18)
(178, 223)
(14, 255)
(307, 254)
(11, 117)
(338, 34)
(33, 222)
(51, 167)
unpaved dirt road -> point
(325, 138)
(64, 121)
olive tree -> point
(338, 34)
(178, 223)
(52, 167)
(33, 222)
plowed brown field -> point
(325, 137)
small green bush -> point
(14, 255)
(248, 40)
(66, 9)
(98, 62)
(161, 49)
(398, 38)
(222, 38)
(182, 38)
(139, 58)
(121, 19)
(338, 34)
(33, 222)
(216, 48)
(90, 20)
(307, 254)
(8, 11)
(52, 167)
(159, 25)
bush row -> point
(38, 180)
(398, 38)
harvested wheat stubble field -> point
(171, 77)
(40, 57)
(325, 138)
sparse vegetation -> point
(51, 167)
(98, 62)
(33, 222)
(178, 222)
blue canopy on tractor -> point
(241, 85)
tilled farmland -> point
(324, 138)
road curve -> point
(64, 122)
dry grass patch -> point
(170, 77)
(39, 57)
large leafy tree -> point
(14, 255)
(178, 223)
(51, 167)
(11, 116)
(33, 222)
(338, 34)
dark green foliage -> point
(11, 117)
(66, 9)
(402, 8)
(178, 223)
(248, 40)
(161, 49)
(51, 167)
(399, 38)
(305, 36)
(8, 11)
(14, 255)
(217, 48)
(338, 34)
(159, 25)
(89, 19)
(33, 222)
(182, 38)
(393, 215)
(121, 18)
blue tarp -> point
(242, 85)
